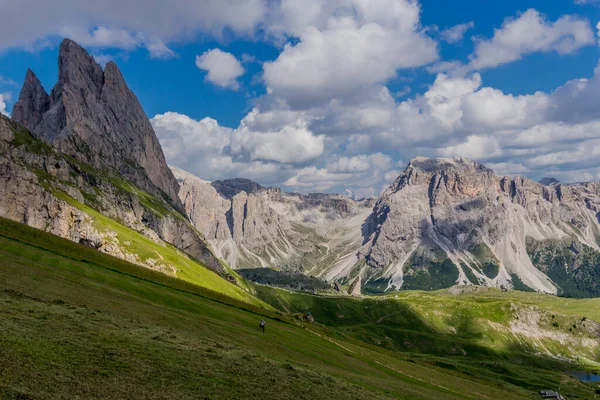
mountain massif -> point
(84, 163)
(442, 222)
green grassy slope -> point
(477, 331)
(79, 324)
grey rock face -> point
(236, 221)
(442, 222)
(253, 226)
(94, 117)
(99, 149)
(460, 211)
(33, 102)
(31, 174)
(230, 187)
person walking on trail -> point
(261, 326)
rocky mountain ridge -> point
(442, 222)
(252, 226)
(84, 163)
(454, 220)
(92, 116)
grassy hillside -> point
(523, 338)
(76, 323)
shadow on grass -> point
(393, 325)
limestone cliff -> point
(446, 221)
(252, 226)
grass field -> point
(76, 323)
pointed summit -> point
(33, 102)
(76, 66)
(113, 76)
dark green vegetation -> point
(518, 284)
(24, 138)
(573, 266)
(431, 276)
(489, 263)
(76, 323)
(428, 268)
(284, 279)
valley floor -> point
(75, 323)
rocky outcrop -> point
(241, 225)
(355, 286)
(92, 116)
(253, 226)
(549, 181)
(33, 102)
(27, 196)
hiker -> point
(261, 326)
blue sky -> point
(338, 95)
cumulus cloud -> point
(202, 147)
(531, 32)
(361, 175)
(456, 33)
(4, 99)
(343, 144)
(345, 45)
(264, 137)
(124, 22)
(222, 67)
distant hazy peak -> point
(549, 181)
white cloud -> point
(359, 174)
(404, 92)
(456, 33)
(4, 99)
(475, 147)
(261, 137)
(361, 163)
(344, 46)
(116, 38)
(201, 147)
(531, 32)
(122, 21)
(391, 176)
(222, 67)
(341, 144)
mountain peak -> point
(94, 117)
(113, 76)
(426, 164)
(33, 102)
(228, 188)
(547, 181)
(76, 67)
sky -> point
(337, 95)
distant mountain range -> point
(84, 155)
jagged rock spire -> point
(33, 102)
(94, 117)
